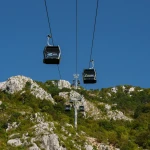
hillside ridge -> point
(33, 116)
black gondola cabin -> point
(89, 76)
(81, 108)
(52, 55)
(67, 108)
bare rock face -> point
(92, 111)
(34, 147)
(14, 125)
(17, 83)
(14, 84)
(74, 94)
(50, 142)
(88, 147)
(100, 146)
(131, 89)
(114, 89)
(63, 84)
(43, 133)
(64, 95)
(117, 115)
(14, 142)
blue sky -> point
(121, 48)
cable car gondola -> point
(81, 108)
(67, 108)
(51, 54)
(89, 76)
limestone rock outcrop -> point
(50, 142)
(63, 84)
(14, 142)
(17, 83)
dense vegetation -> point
(126, 135)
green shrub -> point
(28, 85)
(14, 117)
(59, 99)
(2, 107)
(46, 106)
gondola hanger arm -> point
(48, 38)
(92, 61)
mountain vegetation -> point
(22, 112)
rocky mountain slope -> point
(33, 116)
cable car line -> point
(49, 25)
(53, 49)
(89, 75)
(93, 32)
(59, 72)
(76, 76)
(76, 36)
